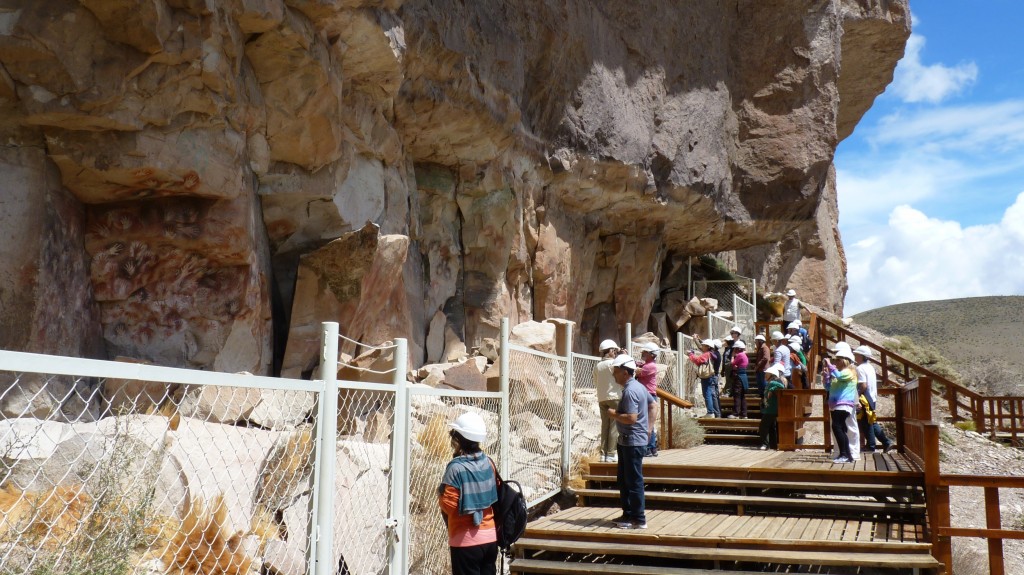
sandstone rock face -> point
(217, 178)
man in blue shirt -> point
(631, 419)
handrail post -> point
(936, 495)
(401, 457)
(901, 433)
(503, 369)
(327, 454)
(567, 388)
(924, 398)
(993, 521)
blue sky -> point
(931, 183)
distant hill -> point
(983, 337)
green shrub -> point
(967, 425)
(686, 433)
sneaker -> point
(628, 524)
(763, 448)
(842, 460)
(621, 519)
(653, 453)
(639, 525)
(709, 414)
(613, 459)
(888, 448)
(730, 416)
(604, 458)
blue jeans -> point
(631, 481)
(871, 431)
(709, 387)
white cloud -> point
(916, 257)
(917, 82)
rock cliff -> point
(201, 182)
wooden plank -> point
(559, 567)
(826, 558)
(765, 501)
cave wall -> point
(201, 182)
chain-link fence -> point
(111, 467)
(537, 409)
(745, 316)
(719, 326)
(586, 416)
(724, 290)
(431, 411)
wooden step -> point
(877, 489)
(850, 557)
(559, 567)
(732, 437)
(781, 503)
(729, 423)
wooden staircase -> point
(740, 510)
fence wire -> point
(431, 451)
(104, 475)
(724, 290)
(719, 326)
(536, 411)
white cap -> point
(471, 426)
(736, 329)
(623, 360)
(759, 337)
(739, 345)
(651, 348)
(777, 335)
(608, 344)
(795, 324)
(708, 342)
(791, 292)
(863, 350)
(774, 369)
(845, 353)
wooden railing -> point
(1003, 415)
(993, 531)
(668, 402)
(794, 412)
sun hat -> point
(471, 426)
(863, 350)
(777, 335)
(651, 348)
(795, 324)
(796, 340)
(608, 344)
(736, 329)
(624, 361)
(791, 292)
(708, 342)
(739, 345)
(759, 337)
(840, 346)
(774, 370)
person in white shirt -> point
(608, 395)
(867, 385)
(791, 310)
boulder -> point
(219, 404)
(534, 335)
(131, 395)
(281, 409)
(536, 434)
(465, 376)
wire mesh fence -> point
(430, 452)
(537, 410)
(108, 475)
(724, 290)
(585, 435)
(745, 316)
(719, 326)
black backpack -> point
(509, 513)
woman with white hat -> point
(468, 489)
(708, 385)
(842, 403)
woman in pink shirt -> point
(740, 361)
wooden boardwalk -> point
(742, 510)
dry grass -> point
(50, 519)
(286, 470)
(584, 469)
(434, 438)
(199, 544)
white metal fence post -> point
(629, 339)
(680, 368)
(326, 457)
(503, 369)
(567, 408)
(400, 446)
